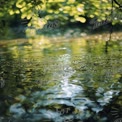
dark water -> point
(66, 81)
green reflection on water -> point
(75, 73)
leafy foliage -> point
(40, 11)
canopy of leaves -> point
(38, 12)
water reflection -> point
(42, 80)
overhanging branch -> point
(120, 6)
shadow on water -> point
(68, 81)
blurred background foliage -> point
(36, 13)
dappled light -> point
(60, 60)
(59, 81)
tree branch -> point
(117, 3)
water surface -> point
(71, 80)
